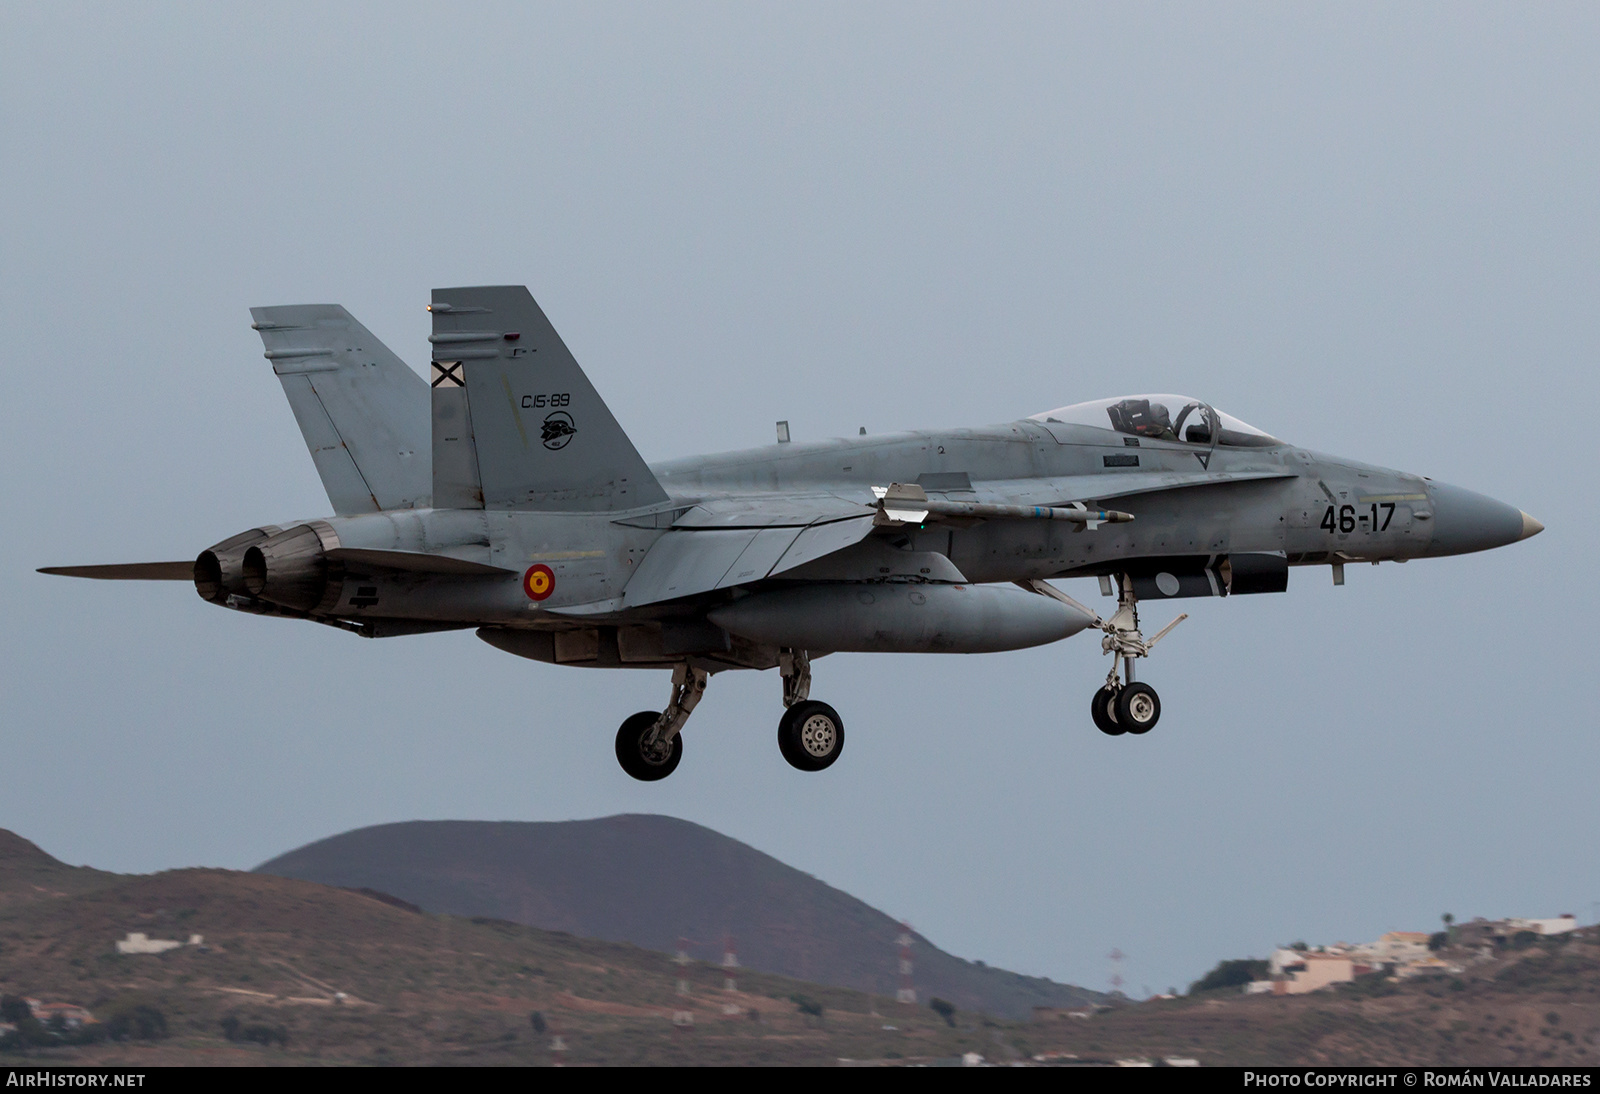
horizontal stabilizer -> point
(128, 571)
(417, 562)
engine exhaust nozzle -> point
(219, 571)
(291, 569)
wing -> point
(768, 510)
(727, 542)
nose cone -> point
(1464, 522)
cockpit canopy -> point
(1163, 418)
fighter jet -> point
(505, 497)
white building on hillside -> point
(1393, 948)
(1561, 924)
(139, 942)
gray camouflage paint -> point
(645, 561)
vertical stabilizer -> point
(362, 411)
(544, 438)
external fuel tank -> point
(900, 618)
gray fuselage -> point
(1303, 507)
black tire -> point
(1101, 709)
(631, 753)
(811, 735)
(1138, 709)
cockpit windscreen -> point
(1163, 418)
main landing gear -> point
(648, 744)
(1120, 706)
(810, 734)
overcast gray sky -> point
(1367, 228)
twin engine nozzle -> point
(287, 567)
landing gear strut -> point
(648, 744)
(810, 734)
(1127, 707)
(1121, 705)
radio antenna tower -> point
(683, 1017)
(1117, 957)
(730, 962)
(907, 993)
(558, 1044)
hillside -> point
(651, 880)
(1534, 1005)
(331, 976)
(28, 873)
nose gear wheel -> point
(1137, 708)
(1102, 710)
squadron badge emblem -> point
(558, 431)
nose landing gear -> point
(1119, 707)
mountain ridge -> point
(652, 880)
(29, 873)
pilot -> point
(1142, 418)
